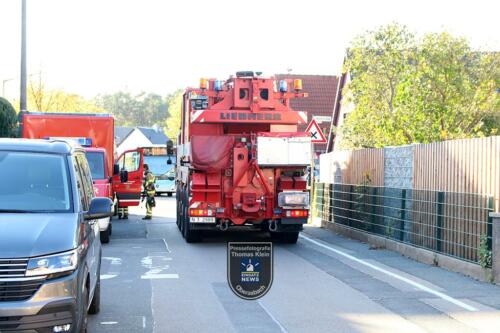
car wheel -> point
(83, 311)
(105, 235)
(110, 228)
(95, 306)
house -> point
(322, 90)
(121, 133)
(127, 138)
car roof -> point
(39, 146)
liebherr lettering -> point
(249, 116)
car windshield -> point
(96, 163)
(33, 182)
(158, 164)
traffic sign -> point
(317, 135)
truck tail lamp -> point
(293, 199)
(297, 213)
(201, 212)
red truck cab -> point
(120, 181)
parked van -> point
(50, 250)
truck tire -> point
(179, 211)
(289, 237)
(191, 236)
(105, 235)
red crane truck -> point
(240, 160)
(120, 181)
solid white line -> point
(159, 276)
(282, 328)
(394, 275)
(109, 322)
(143, 322)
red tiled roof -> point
(322, 90)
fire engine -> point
(120, 180)
(240, 160)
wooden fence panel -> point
(465, 166)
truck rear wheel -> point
(191, 236)
(289, 237)
(179, 209)
(285, 237)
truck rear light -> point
(297, 213)
(201, 212)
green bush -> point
(8, 119)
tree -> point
(173, 123)
(408, 90)
(8, 119)
(41, 99)
(144, 109)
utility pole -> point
(23, 57)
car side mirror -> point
(116, 169)
(99, 208)
(124, 176)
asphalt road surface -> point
(152, 281)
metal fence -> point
(455, 224)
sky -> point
(90, 47)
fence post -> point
(439, 223)
(351, 203)
(373, 202)
(403, 216)
(495, 250)
(489, 226)
(330, 208)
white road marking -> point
(159, 276)
(108, 276)
(282, 328)
(394, 275)
(109, 322)
(166, 245)
(143, 322)
(114, 260)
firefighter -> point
(149, 192)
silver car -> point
(50, 252)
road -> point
(152, 281)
